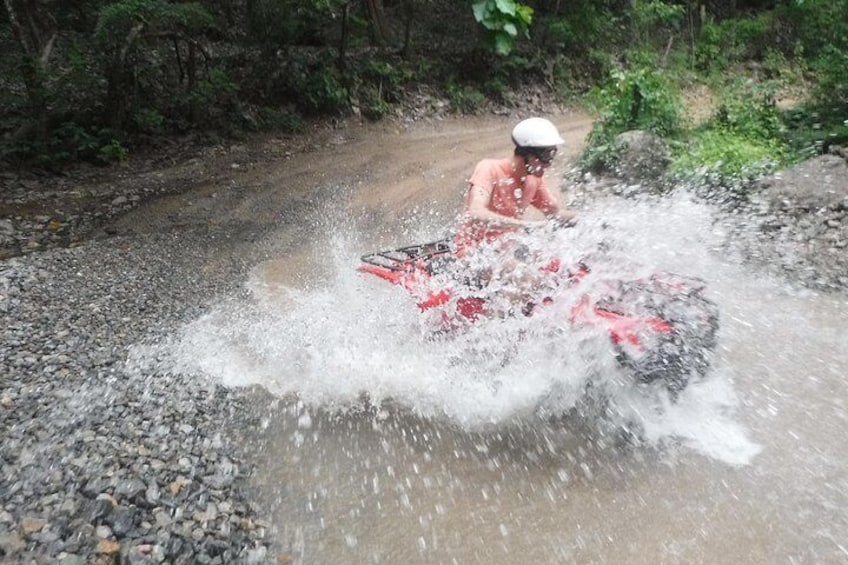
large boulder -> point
(642, 158)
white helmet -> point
(536, 132)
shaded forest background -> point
(94, 80)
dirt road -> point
(391, 168)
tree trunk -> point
(116, 82)
(378, 23)
(409, 12)
(191, 70)
(35, 32)
(344, 37)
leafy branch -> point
(504, 21)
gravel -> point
(795, 223)
(98, 466)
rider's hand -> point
(533, 225)
(564, 218)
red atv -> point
(662, 327)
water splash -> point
(334, 340)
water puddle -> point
(384, 446)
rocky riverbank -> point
(98, 467)
(793, 223)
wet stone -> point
(122, 520)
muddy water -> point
(748, 466)
(448, 462)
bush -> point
(69, 142)
(465, 99)
(324, 93)
(638, 99)
(742, 141)
(634, 99)
(749, 108)
(113, 152)
(724, 157)
(813, 129)
(728, 42)
(213, 100)
(831, 69)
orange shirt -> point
(511, 195)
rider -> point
(501, 190)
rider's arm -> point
(478, 209)
(550, 205)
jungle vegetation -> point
(94, 80)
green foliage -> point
(149, 120)
(324, 93)
(731, 41)
(817, 30)
(748, 108)
(126, 71)
(378, 84)
(650, 14)
(504, 21)
(271, 24)
(373, 103)
(634, 99)
(113, 152)
(578, 31)
(69, 142)
(116, 21)
(813, 129)
(495, 88)
(651, 17)
(214, 94)
(641, 98)
(818, 25)
(724, 157)
(384, 77)
(743, 140)
(831, 69)
(465, 99)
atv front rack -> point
(400, 259)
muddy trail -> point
(744, 467)
(370, 444)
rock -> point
(641, 158)
(130, 489)
(10, 544)
(812, 184)
(100, 508)
(255, 556)
(152, 494)
(122, 520)
(31, 525)
(107, 547)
